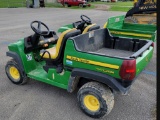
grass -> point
(117, 6)
(12, 3)
(119, 3)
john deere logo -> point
(29, 57)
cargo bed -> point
(100, 42)
(118, 27)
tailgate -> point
(143, 60)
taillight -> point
(152, 44)
(128, 69)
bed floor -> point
(114, 52)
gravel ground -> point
(40, 101)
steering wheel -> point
(86, 19)
(38, 29)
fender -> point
(99, 77)
(15, 56)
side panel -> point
(115, 22)
(28, 60)
(61, 78)
(105, 65)
(118, 28)
(141, 62)
(52, 78)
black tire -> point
(102, 96)
(14, 73)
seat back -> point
(62, 42)
(90, 28)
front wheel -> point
(14, 73)
(95, 99)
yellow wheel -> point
(14, 73)
(91, 102)
(95, 99)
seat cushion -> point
(51, 51)
(54, 52)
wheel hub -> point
(14, 73)
(91, 102)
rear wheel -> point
(95, 99)
(14, 73)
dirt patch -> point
(102, 7)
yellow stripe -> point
(92, 62)
(105, 25)
(134, 34)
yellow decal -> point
(106, 71)
(147, 7)
(92, 62)
(105, 25)
(53, 76)
(134, 34)
(146, 59)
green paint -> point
(117, 24)
(142, 62)
(35, 70)
(29, 64)
(65, 27)
(70, 50)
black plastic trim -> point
(17, 58)
(103, 78)
(139, 52)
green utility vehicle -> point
(139, 22)
(85, 25)
(96, 62)
(118, 27)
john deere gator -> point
(95, 63)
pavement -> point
(40, 101)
